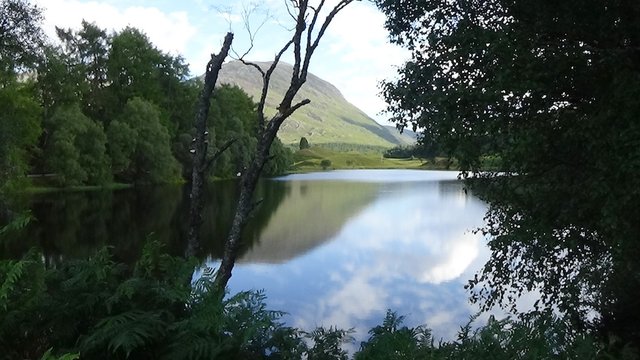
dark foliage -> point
(21, 38)
(161, 308)
(304, 143)
(548, 91)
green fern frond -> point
(196, 347)
(127, 332)
(49, 356)
(13, 271)
(18, 223)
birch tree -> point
(311, 24)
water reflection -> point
(408, 246)
(310, 215)
(335, 248)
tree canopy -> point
(21, 40)
(106, 106)
(19, 131)
(547, 92)
(21, 37)
(140, 144)
(76, 152)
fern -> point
(49, 356)
(17, 224)
(13, 271)
(126, 332)
(196, 347)
(327, 343)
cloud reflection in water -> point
(410, 249)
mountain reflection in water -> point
(333, 248)
(344, 246)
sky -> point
(354, 55)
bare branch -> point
(252, 64)
(279, 118)
(295, 107)
(311, 48)
(266, 79)
(219, 152)
(255, 205)
(247, 14)
(289, 10)
(316, 13)
(224, 12)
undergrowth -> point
(98, 308)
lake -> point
(332, 248)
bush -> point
(304, 143)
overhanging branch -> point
(215, 156)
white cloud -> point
(362, 56)
(354, 55)
(169, 31)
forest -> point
(96, 108)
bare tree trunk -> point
(304, 42)
(200, 162)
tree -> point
(136, 68)
(281, 159)
(232, 118)
(305, 40)
(19, 131)
(325, 163)
(200, 161)
(77, 149)
(58, 81)
(21, 38)
(304, 143)
(87, 51)
(546, 90)
(140, 146)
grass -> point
(307, 160)
(51, 189)
(311, 159)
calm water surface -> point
(333, 248)
(344, 246)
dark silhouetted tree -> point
(549, 92)
(304, 143)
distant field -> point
(312, 160)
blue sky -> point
(354, 55)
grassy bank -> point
(39, 189)
(318, 158)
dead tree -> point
(308, 31)
(200, 145)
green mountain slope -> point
(407, 137)
(328, 119)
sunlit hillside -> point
(329, 118)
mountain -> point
(407, 137)
(329, 118)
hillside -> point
(328, 119)
(407, 137)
